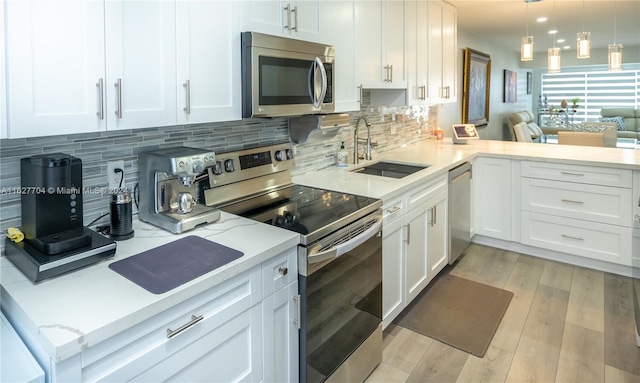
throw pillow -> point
(618, 120)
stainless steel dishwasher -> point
(459, 210)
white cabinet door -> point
(492, 200)
(437, 236)
(280, 335)
(296, 19)
(416, 268)
(140, 63)
(208, 61)
(55, 59)
(380, 44)
(339, 20)
(3, 88)
(393, 249)
(417, 54)
(442, 52)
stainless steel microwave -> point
(285, 77)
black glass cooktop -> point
(314, 212)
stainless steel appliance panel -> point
(459, 210)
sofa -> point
(627, 120)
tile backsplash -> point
(390, 128)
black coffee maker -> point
(56, 240)
(52, 219)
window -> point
(596, 89)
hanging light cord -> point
(554, 23)
(615, 16)
(528, 19)
(582, 16)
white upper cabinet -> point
(442, 48)
(338, 17)
(380, 44)
(141, 63)
(3, 89)
(55, 65)
(417, 32)
(208, 86)
(299, 19)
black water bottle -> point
(121, 210)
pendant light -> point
(526, 46)
(615, 50)
(553, 54)
(583, 41)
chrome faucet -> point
(368, 143)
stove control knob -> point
(217, 168)
(281, 155)
(289, 154)
(228, 166)
(198, 167)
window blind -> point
(595, 89)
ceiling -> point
(505, 22)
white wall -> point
(501, 59)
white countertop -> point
(443, 155)
(77, 310)
(71, 312)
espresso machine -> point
(169, 188)
(55, 239)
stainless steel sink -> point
(390, 169)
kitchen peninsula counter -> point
(77, 310)
(444, 155)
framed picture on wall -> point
(476, 87)
(510, 93)
(529, 82)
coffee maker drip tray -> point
(38, 266)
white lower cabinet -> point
(231, 332)
(493, 196)
(414, 244)
(580, 210)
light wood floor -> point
(564, 324)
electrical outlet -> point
(115, 174)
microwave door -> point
(317, 82)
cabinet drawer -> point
(125, 355)
(602, 204)
(421, 193)
(608, 243)
(577, 173)
(393, 209)
(279, 271)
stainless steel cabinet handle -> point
(194, 319)
(638, 217)
(283, 270)
(360, 93)
(572, 201)
(423, 92)
(389, 73)
(573, 174)
(435, 215)
(100, 85)
(118, 86)
(295, 18)
(448, 88)
(298, 320)
(288, 9)
(393, 209)
(572, 237)
(187, 88)
(408, 233)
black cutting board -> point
(168, 266)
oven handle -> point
(345, 247)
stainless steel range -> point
(339, 257)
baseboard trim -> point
(608, 267)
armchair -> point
(528, 119)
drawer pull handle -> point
(393, 209)
(573, 174)
(572, 237)
(194, 319)
(283, 270)
(572, 201)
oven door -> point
(341, 303)
(284, 83)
